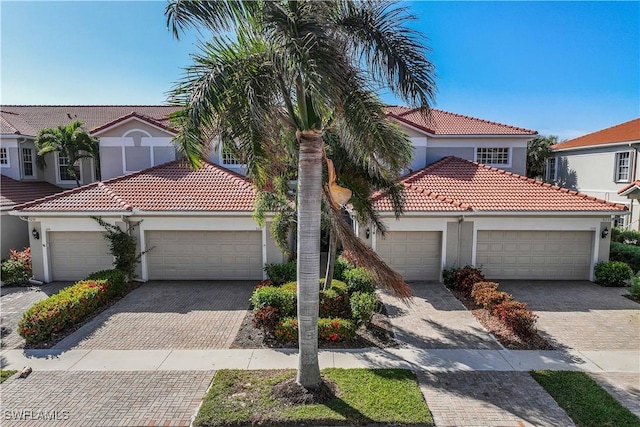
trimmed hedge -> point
(359, 280)
(281, 298)
(363, 305)
(517, 317)
(466, 277)
(280, 274)
(629, 254)
(612, 273)
(71, 305)
(328, 330)
(630, 237)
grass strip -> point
(4, 375)
(365, 396)
(582, 398)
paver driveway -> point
(581, 315)
(168, 315)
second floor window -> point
(551, 169)
(229, 157)
(27, 161)
(63, 169)
(493, 156)
(623, 166)
(4, 157)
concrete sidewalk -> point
(433, 360)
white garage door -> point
(414, 254)
(76, 254)
(544, 255)
(204, 255)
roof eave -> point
(559, 148)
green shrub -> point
(612, 273)
(66, 308)
(328, 330)
(466, 278)
(630, 237)
(284, 300)
(626, 253)
(359, 280)
(517, 317)
(117, 278)
(634, 288)
(17, 269)
(340, 268)
(363, 305)
(334, 303)
(449, 276)
(281, 273)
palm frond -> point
(214, 15)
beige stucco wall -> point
(459, 244)
(15, 234)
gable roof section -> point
(628, 189)
(29, 119)
(444, 123)
(470, 186)
(624, 132)
(134, 115)
(14, 192)
(171, 187)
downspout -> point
(460, 220)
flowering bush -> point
(17, 269)
(488, 296)
(334, 303)
(466, 278)
(517, 317)
(266, 318)
(70, 306)
(328, 330)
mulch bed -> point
(497, 328)
(378, 333)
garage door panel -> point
(415, 255)
(537, 254)
(74, 254)
(205, 255)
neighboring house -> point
(601, 164)
(458, 212)
(15, 231)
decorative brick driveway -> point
(168, 315)
(581, 315)
(436, 319)
(132, 398)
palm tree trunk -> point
(331, 258)
(309, 198)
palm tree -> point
(538, 151)
(305, 67)
(72, 141)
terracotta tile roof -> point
(444, 123)
(171, 187)
(633, 186)
(164, 125)
(14, 192)
(627, 131)
(472, 186)
(29, 119)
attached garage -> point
(415, 255)
(543, 255)
(204, 255)
(76, 254)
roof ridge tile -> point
(113, 195)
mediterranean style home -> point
(602, 164)
(467, 202)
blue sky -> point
(561, 68)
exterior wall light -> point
(605, 233)
(367, 233)
(35, 234)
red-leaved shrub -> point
(487, 295)
(517, 317)
(466, 278)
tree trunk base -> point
(292, 393)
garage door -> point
(544, 255)
(204, 255)
(415, 255)
(75, 254)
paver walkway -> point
(168, 315)
(436, 319)
(14, 301)
(102, 399)
(480, 399)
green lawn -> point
(365, 396)
(5, 374)
(588, 404)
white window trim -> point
(61, 181)
(223, 163)
(554, 169)
(8, 164)
(616, 167)
(33, 163)
(496, 165)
